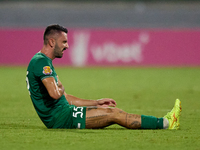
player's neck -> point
(48, 52)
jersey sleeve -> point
(43, 69)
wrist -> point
(96, 102)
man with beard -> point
(58, 109)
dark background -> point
(156, 14)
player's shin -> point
(151, 122)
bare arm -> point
(79, 102)
(104, 102)
(54, 90)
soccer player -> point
(58, 109)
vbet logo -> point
(84, 52)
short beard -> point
(57, 52)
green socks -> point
(151, 122)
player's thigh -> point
(99, 117)
(95, 111)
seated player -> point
(58, 109)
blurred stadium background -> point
(101, 13)
(111, 32)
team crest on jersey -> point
(47, 70)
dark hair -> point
(52, 29)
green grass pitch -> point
(149, 91)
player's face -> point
(61, 45)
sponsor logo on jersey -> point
(47, 70)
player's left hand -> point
(106, 102)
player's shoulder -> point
(39, 58)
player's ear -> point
(52, 42)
